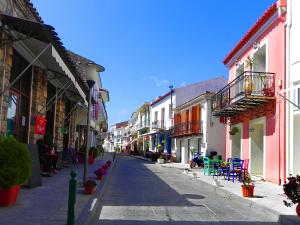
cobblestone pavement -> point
(140, 192)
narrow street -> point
(140, 192)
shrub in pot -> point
(99, 173)
(292, 191)
(15, 169)
(89, 187)
(247, 186)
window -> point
(18, 100)
(162, 117)
(170, 111)
(155, 116)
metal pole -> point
(90, 84)
(72, 199)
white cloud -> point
(183, 83)
(123, 112)
(159, 82)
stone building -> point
(41, 87)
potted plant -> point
(108, 162)
(247, 186)
(248, 79)
(89, 187)
(292, 191)
(233, 131)
(15, 169)
(99, 173)
(160, 160)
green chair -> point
(207, 163)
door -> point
(257, 148)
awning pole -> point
(27, 67)
(288, 100)
(56, 96)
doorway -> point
(236, 142)
(257, 143)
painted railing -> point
(248, 84)
(187, 128)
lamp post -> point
(171, 90)
(90, 84)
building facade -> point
(292, 92)
(42, 89)
(196, 130)
(249, 104)
(162, 122)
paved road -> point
(143, 193)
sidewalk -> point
(48, 204)
(267, 194)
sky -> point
(148, 45)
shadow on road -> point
(135, 191)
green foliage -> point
(15, 163)
(94, 152)
(246, 179)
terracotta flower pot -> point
(89, 190)
(298, 209)
(248, 190)
(91, 160)
(9, 196)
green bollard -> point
(72, 198)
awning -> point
(30, 38)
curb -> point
(140, 158)
(282, 219)
(87, 214)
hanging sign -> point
(40, 125)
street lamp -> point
(171, 90)
(90, 84)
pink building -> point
(249, 104)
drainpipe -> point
(288, 127)
(2, 88)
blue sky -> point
(146, 45)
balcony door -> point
(259, 69)
(239, 82)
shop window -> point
(18, 99)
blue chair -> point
(235, 169)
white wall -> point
(296, 149)
(293, 78)
(164, 103)
(215, 131)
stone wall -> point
(5, 68)
(59, 122)
(39, 100)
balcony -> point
(187, 128)
(247, 91)
(144, 125)
(159, 125)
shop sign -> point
(40, 125)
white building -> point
(293, 87)
(162, 122)
(196, 130)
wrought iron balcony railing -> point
(244, 92)
(159, 124)
(145, 124)
(187, 128)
